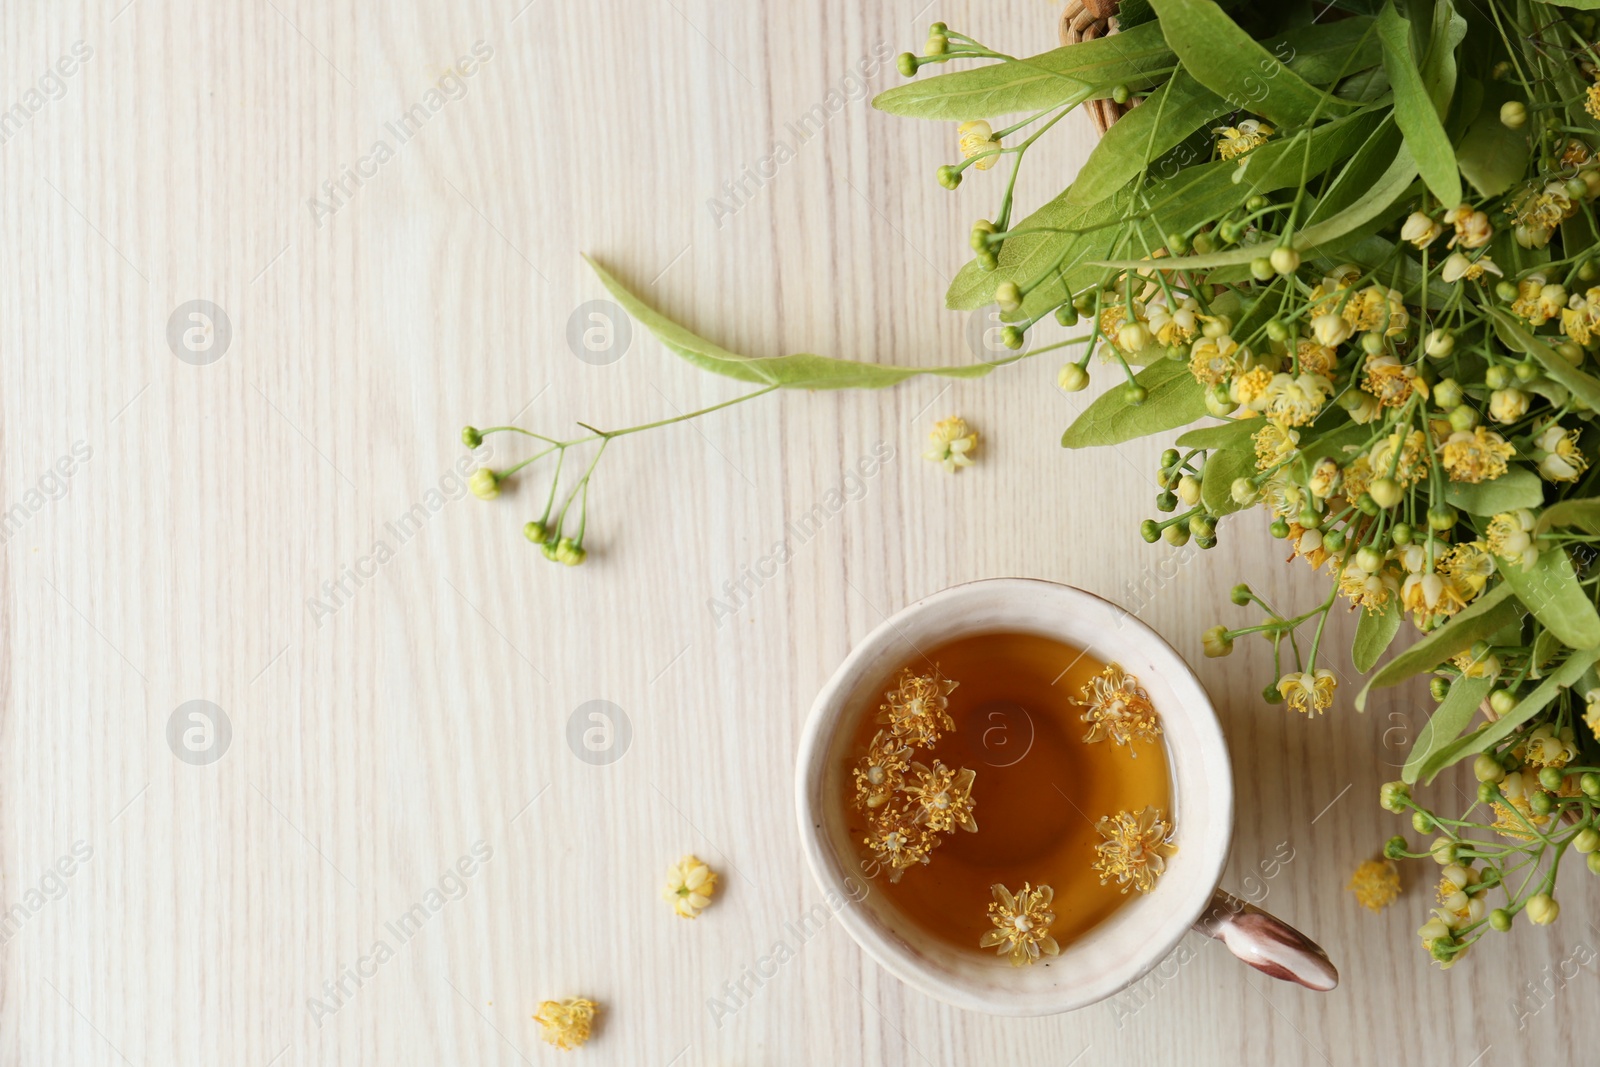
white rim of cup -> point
(1128, 944)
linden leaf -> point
(1173, 398)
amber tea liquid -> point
(1039, 788)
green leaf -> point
(1576, 5)
(1513, 333)
(1327, 52)
(1493, 156)
(1551, 590)
(1222, 467)
(1232, 434)
(1062, 77)
(1237, 67)
(1516, 488)
(1491, 611)
(1173, 398)
(1445, 725)
(1375, 631)
(803, 371)
(1530, 705)
(1147, 132)
(1414, 109)
(1583, 513)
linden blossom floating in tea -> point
(1070, 821)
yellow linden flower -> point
(1215, 359)
(918, 708)
(896, 840)
(566, 1023)
(1282, 496)
(1376, 884)
(690, 886)
(1511, 537)
(1515, 814)
(1476, 456)
(1021, 924)
(1310, 694)
(1357, 477)
(978, 137)
(1118, 709)
(1548, 747)
(1468, 566)
(1176, 326)
(1581, 316)
(1377, 308)
(888, 758)
(1295, 400)
(1538, 301)
(1560, 458)
(1591, 101)
(953, 444)
(942, 798)
(1591, 712)
(1457, 907)
(1365, 589)
(1470, 666)
(1314, 358)
(1472, 227)
(1235, 141)
(1537, 213)
(1308, 545)
(1135, 850)
(1391, 382)
(1457, 266)
(1250, 389)
(1413, 462)
(1274, 445)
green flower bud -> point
(1594, 862)
(1166, 500)
(536, 532)
(1541, 802)
(1366, 505)
(1372, 342)
(1447, 394)
(1506, 291)
(1590, 784)
(1271, 695)
(1277, 330)
(1067, 315)
(1120, 94)
(1485, 768)
(1489, 793)
(569, 552)
(1011, 337)
(471, 437)
(1333, 541)
(1176, 535)
(1230, 232)
(1422, 822)
(549, 549)
(1150, 530)
(948, 176)
(1134, 394)
(1502, 701)
(906, 63)
(1442, 517)
(1542, 909)
(1550, 778)
(1285, 260)
(1369, 559)
(1202, 526)
(988, 260)
(1261, 269)
(1177, 244)
(938, 44)
(1463, 418)
(1073, 378)
(1500, 919)
(484, 483)
(1571, 352)
(1513, 114)
(1526, 371)
(1008, 296)
(1279, 528)
(1395, 848)
(1385, 492)
(1497, 377)
(1586, 840)
(1204, 244)
(1401, 533)
(1438, 688)
(1169, 458)
(1189, 490)
(1206, 542)
(1443, 850)
(1577, 188)
(1216, 642)
(1394, 796)
(1243, 491)
(1587, 271)
(1240, 594)
(938, 27)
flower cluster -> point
(910, 806)
(1401, 362)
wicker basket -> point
(1085, 20)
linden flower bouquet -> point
(1361, 239)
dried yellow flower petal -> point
(1376, 884)
(566, 1023)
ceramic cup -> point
(1135, 937)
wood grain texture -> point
(373, 745)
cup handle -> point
(1267, 943)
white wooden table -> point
(181, 530)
